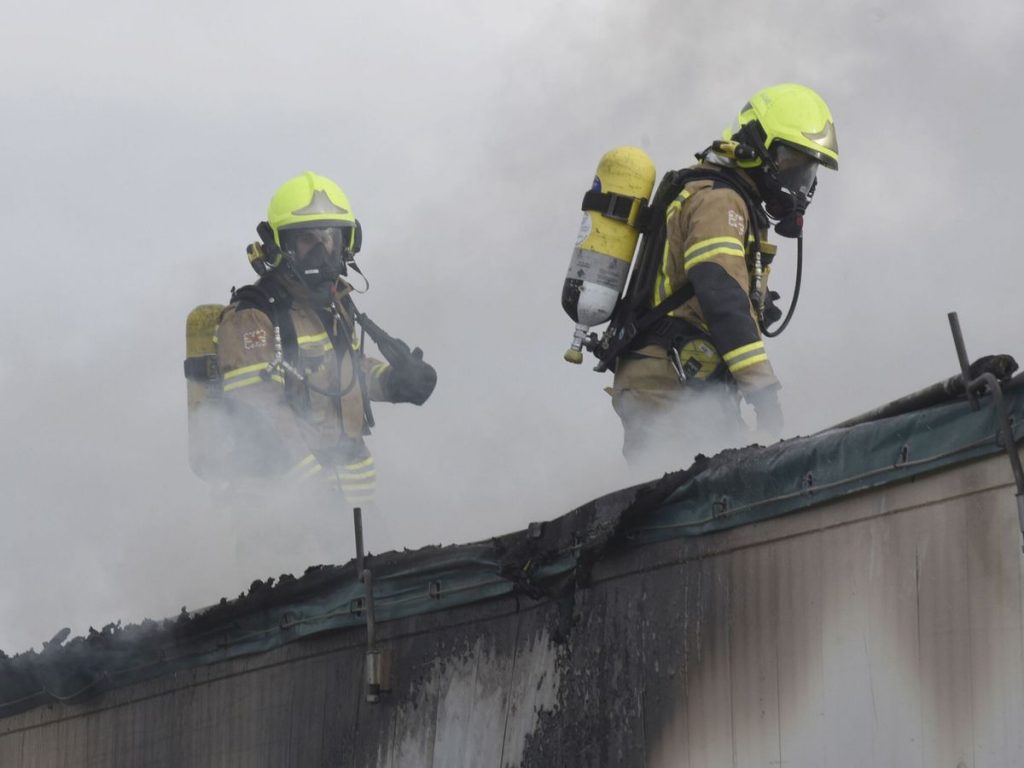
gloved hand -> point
(768, 411)
(772, 313)
(411, 379)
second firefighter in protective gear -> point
(680, 378)
(295, 375)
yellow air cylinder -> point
(204, 385)
(606, 242)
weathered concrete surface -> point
(882, 630)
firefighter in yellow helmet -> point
(294, 372)
(681, 377)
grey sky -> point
(142, 141)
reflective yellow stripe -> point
(378, 370)
(320, 340)
(249, 374)
(358, 486)
(663, 287)
(733, 354)
(358, 475)
(762, 358)
(253, 377)
(367, 462)
(242, 371)
(305, 468)
(745, 356)
(244, 383)
(708, 249)
(677, 204)
(357, 492)
(309, 458)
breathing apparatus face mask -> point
(317, 256)
(789, 180)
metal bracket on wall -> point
(374, 656)
(988, 382)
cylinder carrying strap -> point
(202, 368)
(633, 316)
(609, 204)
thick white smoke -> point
(142, 149)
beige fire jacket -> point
(309, 395)
(707, 234)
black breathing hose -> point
(796, 290)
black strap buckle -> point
(202, 368)
(609, 204)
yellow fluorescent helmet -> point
(789, 114)
(310, 201)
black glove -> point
(768, 411)
(771, 312)
(411, 380)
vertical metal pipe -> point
(373, 655)
(989, 381)
(357, 514)
(371, 614)
(961, 353)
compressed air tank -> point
(606, 242)
(204, 388)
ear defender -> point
(356, 241)
(734, 150)
(263, 256)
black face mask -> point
(784, 207)
(323, 253)
(318, 266)
(318, 273)
(787, 185)
(788, 215)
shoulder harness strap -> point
(632, 316)
(274, 303)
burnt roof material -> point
(735, 488)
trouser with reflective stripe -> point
(666, 423)
(357, 480)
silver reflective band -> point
(826, 137)
(320, 203)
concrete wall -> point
(883, 630)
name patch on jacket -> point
(254, 339)
(736, 221)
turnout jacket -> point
(707, 243)
(309, 423)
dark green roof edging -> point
(743, 487)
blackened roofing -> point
(734, 488)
